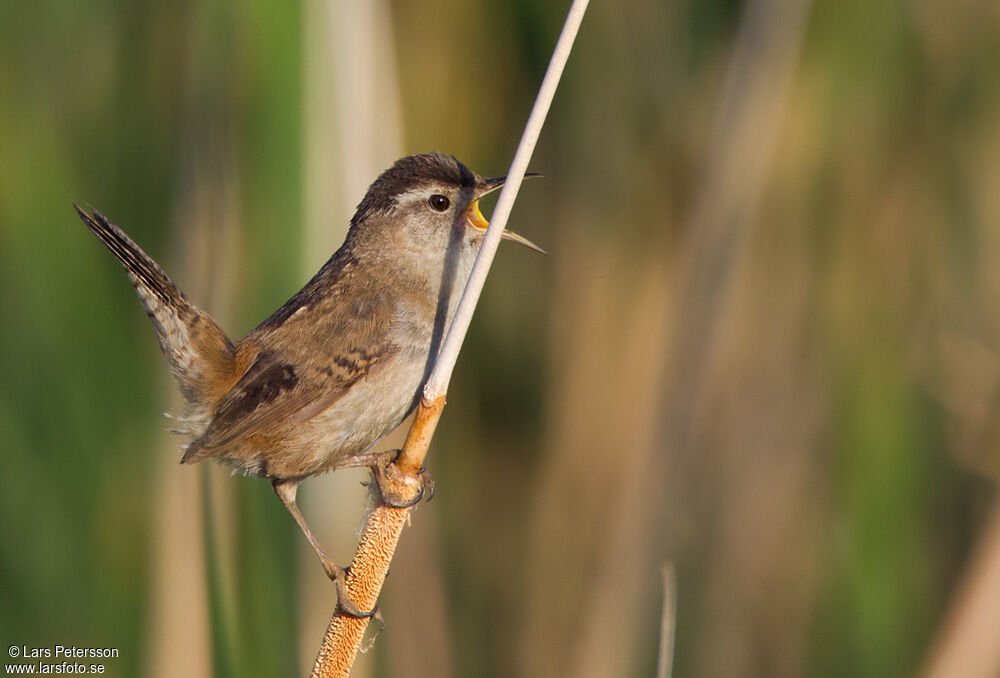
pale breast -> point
(363, 415)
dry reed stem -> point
(384, 523)
(374, 555)
(182, 574)
(665, 661)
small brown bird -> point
(341, 363)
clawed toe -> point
(398, 489)
(345, 605)
(427, 491)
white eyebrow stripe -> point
(417, 195)
(411, 195)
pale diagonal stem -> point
(384, 524)
(437, 383)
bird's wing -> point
(296, 378)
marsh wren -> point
(341, 363)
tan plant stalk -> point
(668, 623)
(384, 524)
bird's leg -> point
(286, 491)
(398, 489)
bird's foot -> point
(398, 489)
(345, 605)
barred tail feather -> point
(199, 352)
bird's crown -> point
(414, 171)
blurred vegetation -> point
(764, 347)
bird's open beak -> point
(496, 182)
(475, 219)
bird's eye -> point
(439, 202)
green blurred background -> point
(764, 349)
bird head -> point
(428, 202)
